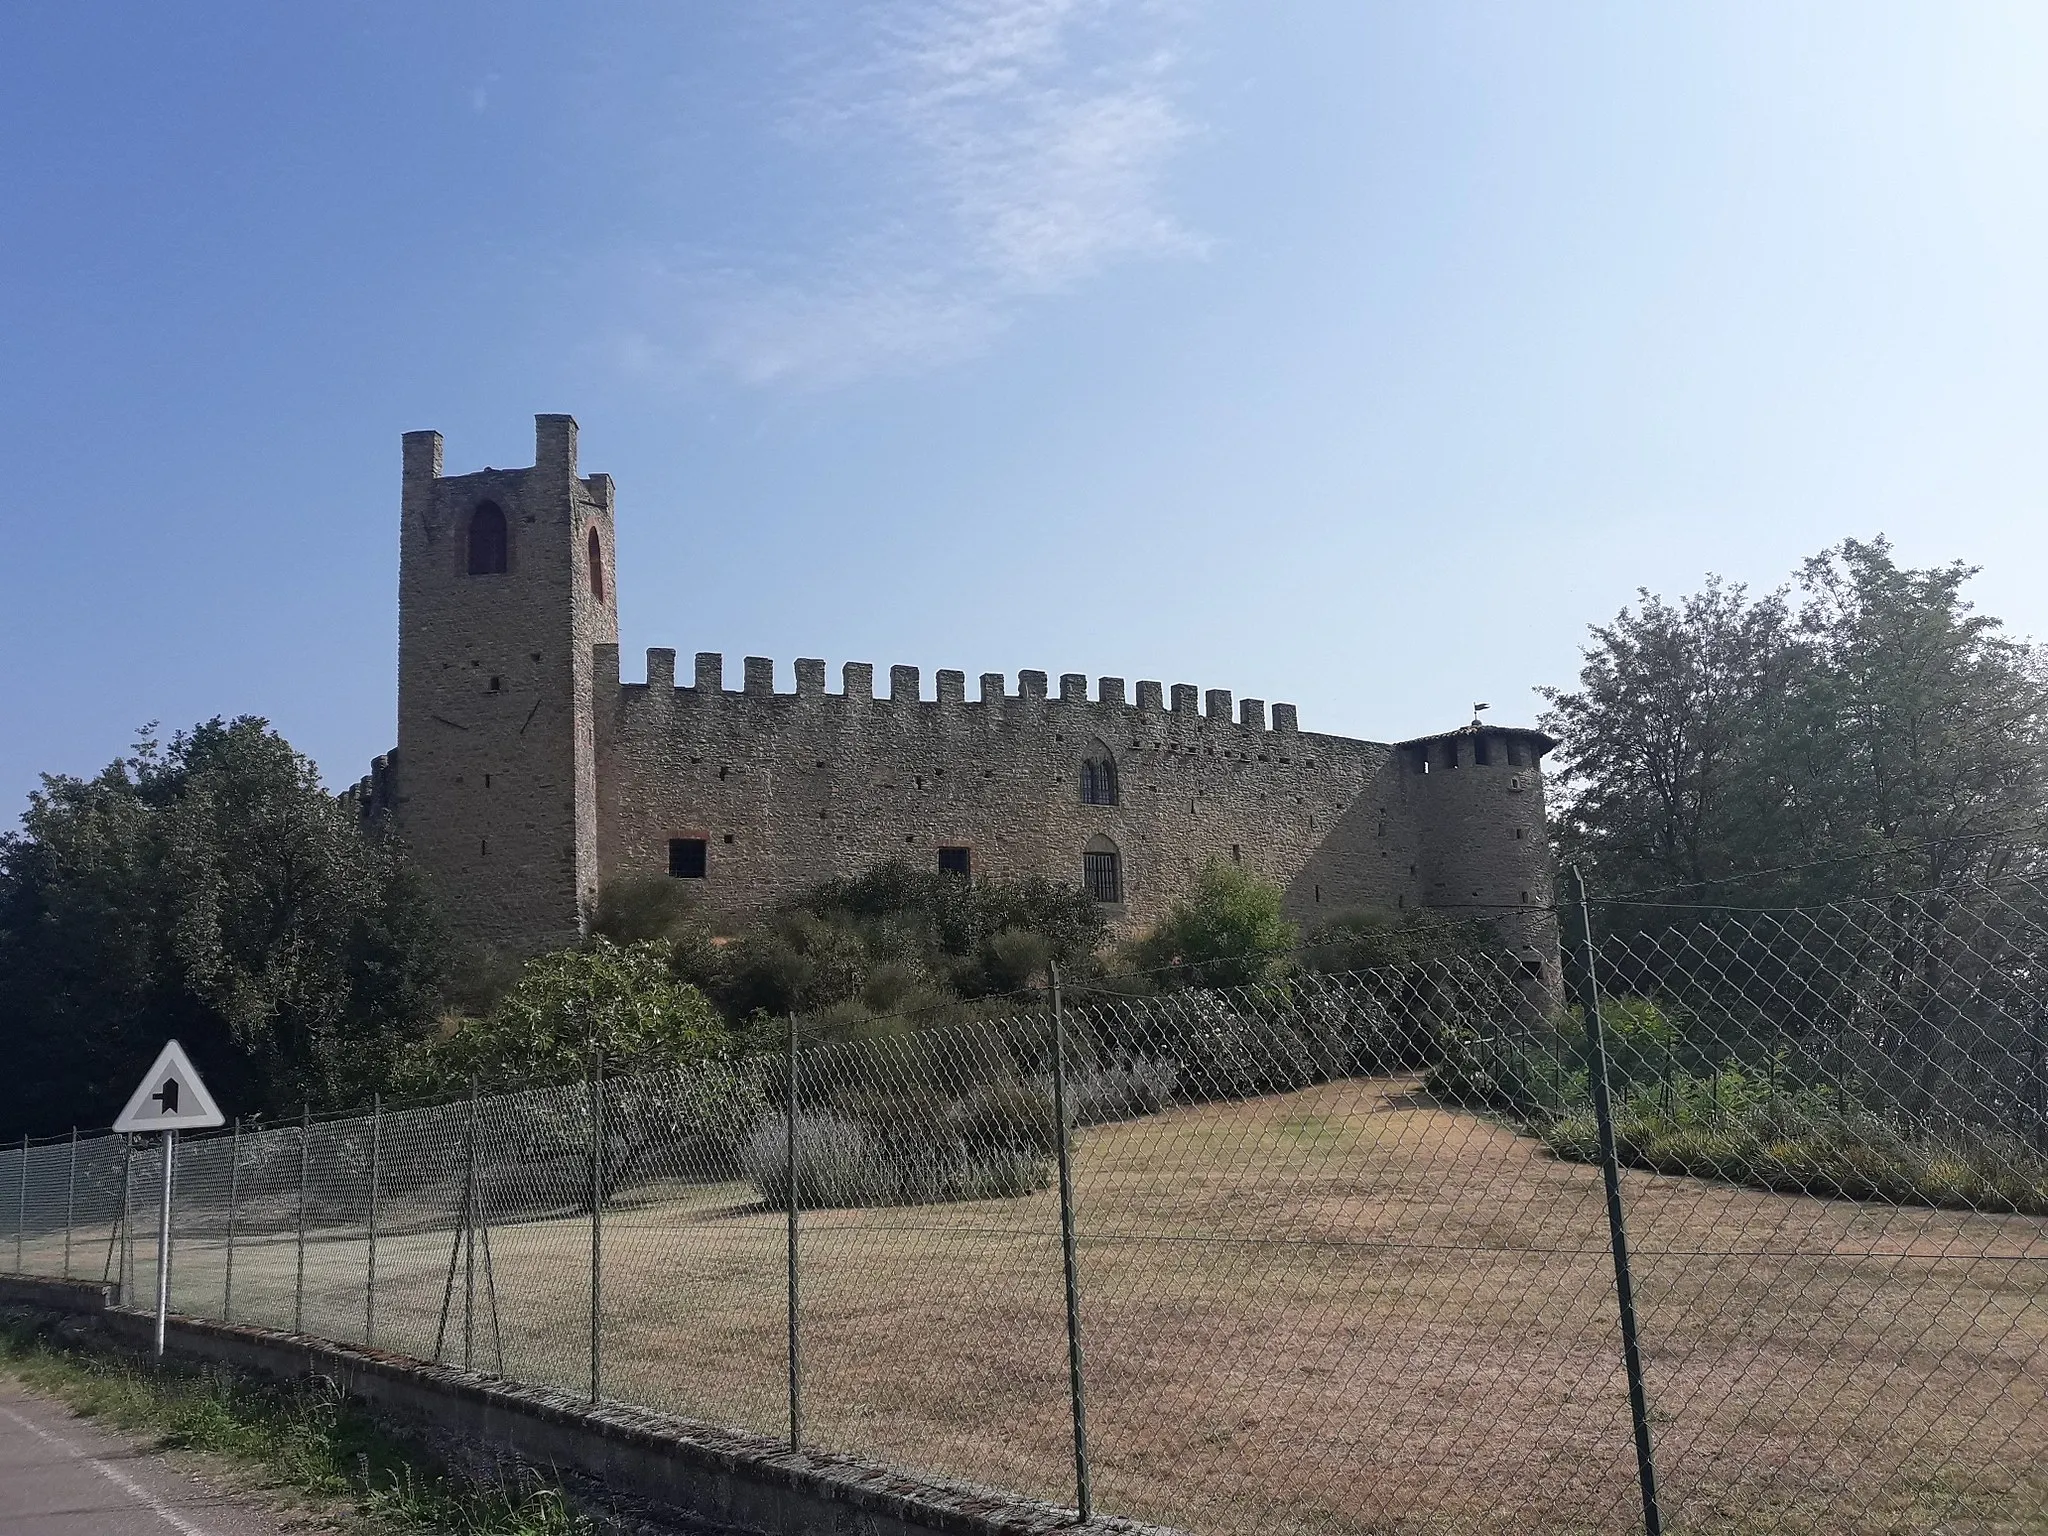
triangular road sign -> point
(171, 1098)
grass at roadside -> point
(304, 1439)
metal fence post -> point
(469, 1237)
(796, 1343)
(21, 1205)
(299, 1280)
(227, 1284)
(597, 1194)
(117, 1234)
(1617, 1230)
(1084, 1495)
(2038, 1039)
(70, 1201)
(370, 1263)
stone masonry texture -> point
(527, 772)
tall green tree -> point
(1863, 723)
(207, 889)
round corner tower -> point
(1476, 798)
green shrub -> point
(905, 1147)
(1741, 1122)
(1228, 931)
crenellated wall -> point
(788, 788)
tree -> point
(1228, 931)
(1865, 725)
(208, 889)
(671, 1094)
(621, 999)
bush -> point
(1127, 1090)
(1799, 1143)
(873, 1148)
(637, 909)
(1730, 1121)
(1229, 931)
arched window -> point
(487, 540)
(1102, 872)
(596, 566)
(1098, 775)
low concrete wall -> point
(713, 1474)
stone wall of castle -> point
(789, 788)
(528, 772)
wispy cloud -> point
(990, 152)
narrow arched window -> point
(1098, 775)
(1102, 872)
(487, 540)
(596, 566)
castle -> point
(528, 773)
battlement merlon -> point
(905, 689)
(1474, 745)
(554, 457)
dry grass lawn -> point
(1341, 1310)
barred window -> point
(686, 857)
(1102, 874)
(956, 861)
(487, 540)
(1098, 775)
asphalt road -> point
(64, 1476)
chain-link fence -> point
(1727, 1220)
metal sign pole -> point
(163, 1241)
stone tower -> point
(506, 583)
(1476, 798)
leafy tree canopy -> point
(1865, 709)
(207, 889)
(622, 999)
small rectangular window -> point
(686, 857)
(956, 861)
(1236, 854)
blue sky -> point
(1350, 354)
